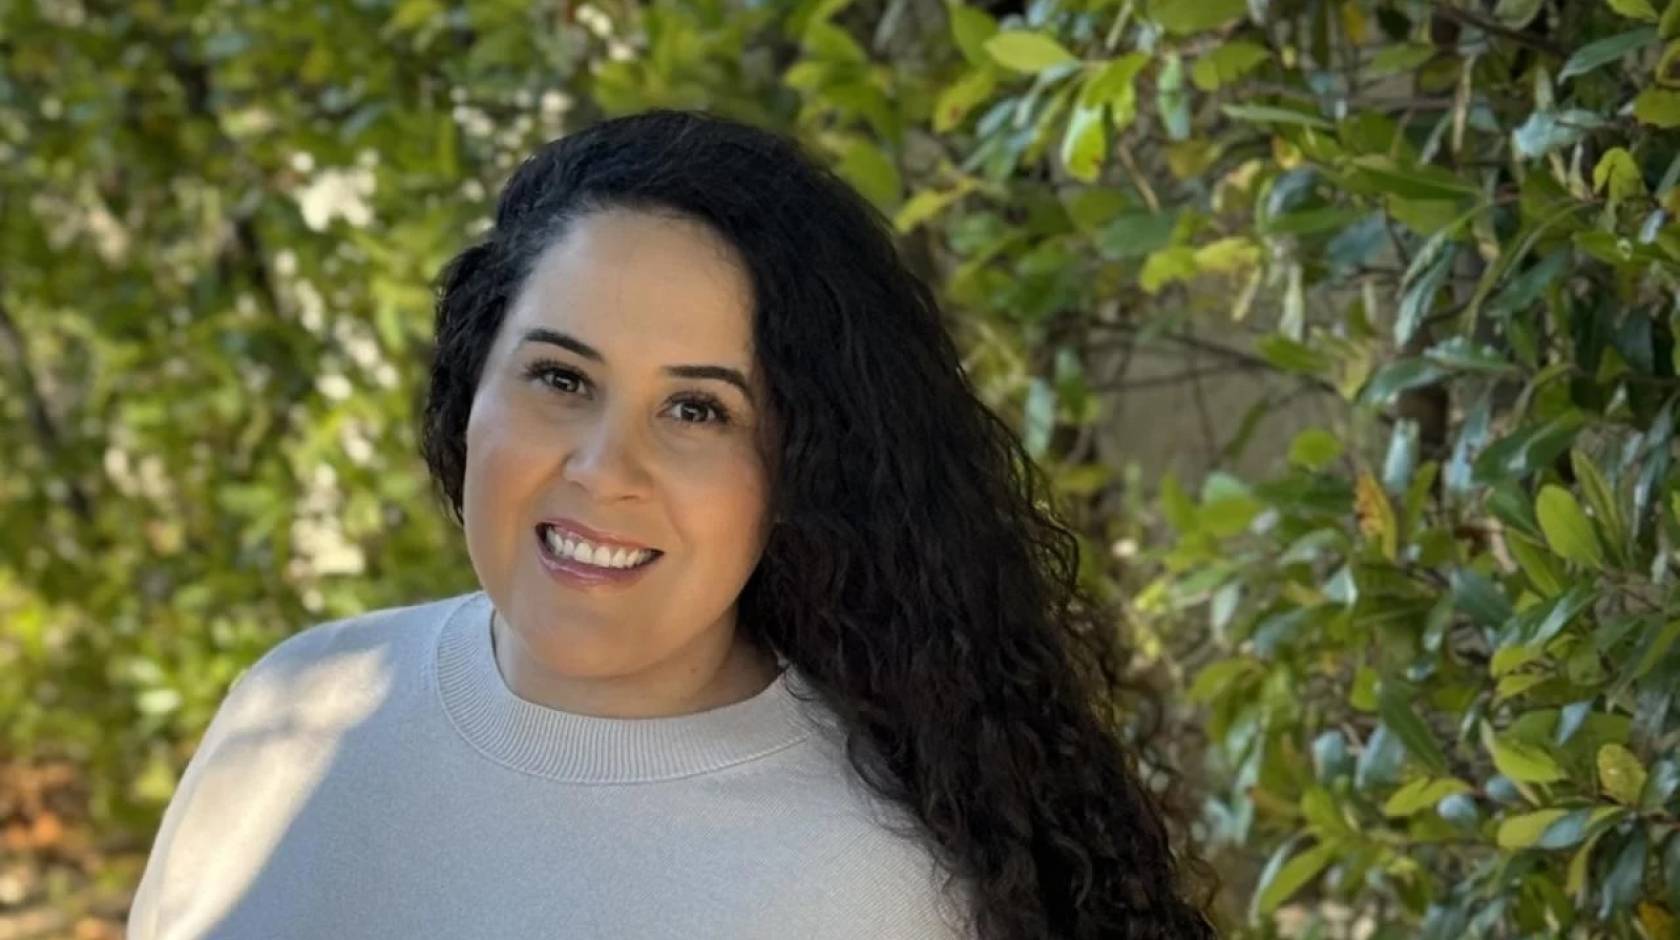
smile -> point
(567, 546)
(572, 559)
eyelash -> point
(543, 368)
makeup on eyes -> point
(541, 369)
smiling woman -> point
(774, 637)
(620, 403)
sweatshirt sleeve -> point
(143, 910)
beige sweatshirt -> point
(375, 777)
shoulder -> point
(387, 626)
(334, 664)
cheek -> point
(504, 457)
(724, 501)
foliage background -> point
(1408, 583)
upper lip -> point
(593, 536)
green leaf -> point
(1085, 143)
(1567, 529)
(1311, 221)
(1421, 794)
(1177, 263)
(1410, 181)
(1575, 878)
(1268, 114)
(1228, 255)
(158, 701)
(925, 205)
(1536, 563)
(1519, 760)
(1279, 882)
(1420, 297)
(1522, 831)
(1604, 51)
(1040, 416)
(1516, 13)
(1660, 784)
(1509, 658)
(1395, 703)
(1136, 235)
(413, 13)
(829, 43)
(1218, 677)
(1323, 815)
(1655, 649)
(1514, 685)
(1027, 51)
(1540, 622)
(1545, 131)
(971, 27)
(961, 96)
(1461, 355)
(1627, 873)
(1659, 107)
(1379, 761)
(1474, 594)
(1314, 448)
(1459, 809)
(1399, 57)
(1176, 505)
(1634, 9)
(1376, 514)
(1172, 99)
(1229, 514)
(1226, 63)
(1620, 774)
(1115, 84)
(867, 167)
(1193, 16)
(1574, 826)
(1520, 453)
(1619, 174)
(1398, 376)
(1605, 506)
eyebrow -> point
(567, 341)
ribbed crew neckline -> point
(577, 748)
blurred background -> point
(1345, 327)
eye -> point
(704, 404)
(549, 373)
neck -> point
(692, 683)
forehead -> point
(635, 284)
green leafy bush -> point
(1441, 659)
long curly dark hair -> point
(916, 576)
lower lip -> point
(576, 573)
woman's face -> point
(621, 395)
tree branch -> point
(1483, 23)
(39, 417)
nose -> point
(605, 459)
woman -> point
(773, 638)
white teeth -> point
(597, 555)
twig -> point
(1127, 161)
(1174, 378)
(39, 417)
(1468, 18)
(1210, 437)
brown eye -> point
(703, 405)
(555, 376)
